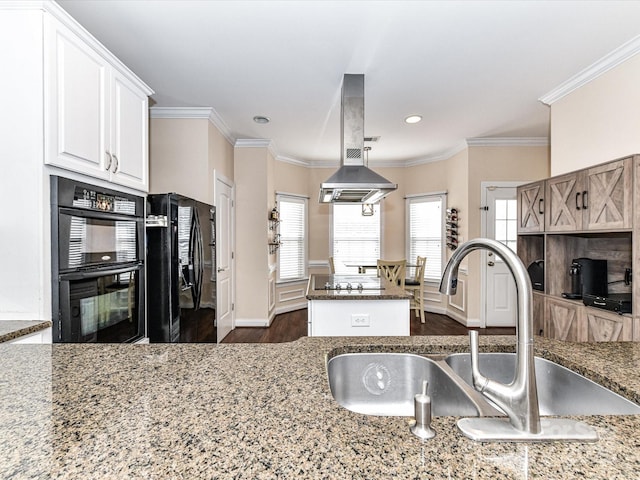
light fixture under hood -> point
(353, 182)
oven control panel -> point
(94, 200)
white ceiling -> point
(470, 68)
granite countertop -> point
(12, 329)
(374, 288)
(262, 411)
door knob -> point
(491, 264)
(221, 269)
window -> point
(506, 222)
(356, 237)
(425, 236)
(292, 254)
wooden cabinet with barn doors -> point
(531, 207)
(597, 198)
(583, 214)
(570, 320)
(96, 110)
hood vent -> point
(353, 182)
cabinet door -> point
(603, 326)
(75, 99)
(564, 203)
(129, 133)
(563, 320)
(531, 207)
(608, 196)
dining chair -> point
(415, 287)
(332, 268)
(392, 270)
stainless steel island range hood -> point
(354, 182)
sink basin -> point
(385, 384)
(560, 390)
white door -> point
(500, 288)
(223, 194)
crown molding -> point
(194, 112)
(292, 161)
(210, 114)
(508, 142)
(606, 63)
(446, 155)
(252, 143)
(180, 112)
(257, 143)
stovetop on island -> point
(347, 282)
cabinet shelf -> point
(583, 214)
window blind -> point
(426, 234)
(292, 256)
(356, 237)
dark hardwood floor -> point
(293, 325)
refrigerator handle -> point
(196, 253)
(200, 266)
(192, 256)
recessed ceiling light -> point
(260, 119)
(413, 118)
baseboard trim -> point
(252, 322)
(290, 308)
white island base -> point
(357, 318)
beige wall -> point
(183, 153)
(220, 154)
(598, 122)
(393, 217)
(252, 205)
(178, 152)
(319, 216)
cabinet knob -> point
(491, 264)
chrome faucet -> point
(519, 399)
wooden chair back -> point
(392, 270)
(421, 263)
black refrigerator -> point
(181, 270)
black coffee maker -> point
(587, 276)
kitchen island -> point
(356, 305)
(247, 411)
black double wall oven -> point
(97, 264)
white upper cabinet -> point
(96, 111)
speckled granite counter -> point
(12, 329)
(265, 411)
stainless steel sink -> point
(560, 390)
(386, 383)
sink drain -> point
(376, 378)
